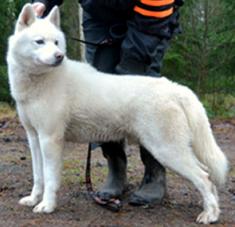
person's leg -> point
(153, 185)
(145, 60)
(117, 179)
(156, 55)
(105, 58)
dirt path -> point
(180, 207)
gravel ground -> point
(180, 207)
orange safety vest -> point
(155, 8)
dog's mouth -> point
(56, 63)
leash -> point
(105, 42)
(112, 204)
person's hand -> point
(39, 8)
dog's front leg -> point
(51, 147)
(37, 190)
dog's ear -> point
(54, 16)
(26, 18)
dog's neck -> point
(22, 81)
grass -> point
(219, 105)
(74, 171)
(7, 110)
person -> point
(129, 37)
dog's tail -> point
(203, 141)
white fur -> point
(74, 101)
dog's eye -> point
(56, 42)
(40, 41)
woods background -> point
(202, 57)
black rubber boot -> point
(153, 186)
(117, 179)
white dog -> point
(59, 99)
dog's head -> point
(37, 43)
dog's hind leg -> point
(37, 189)
(182, 160)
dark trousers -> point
(107, 58)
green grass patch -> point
(219, 105)
(7, 110)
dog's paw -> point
(29, 201)
(44, 207)
(207, 217)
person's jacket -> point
(116, 11)
(112, 10)
(109, 10)
(105, 10)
